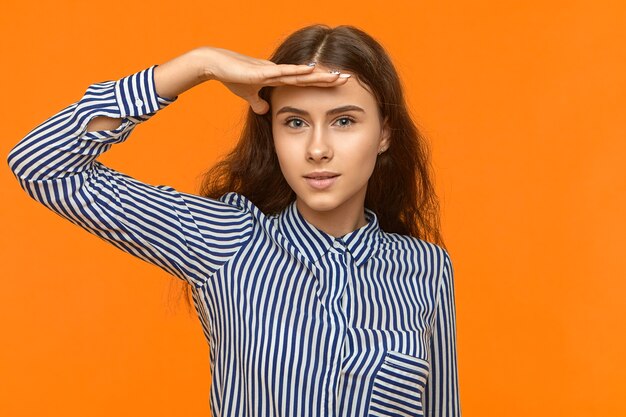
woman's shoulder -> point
(244, 204)
(397, 241)
(235, 199)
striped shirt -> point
(299, 322)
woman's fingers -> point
(272, 70)
(314, 79)
(318, 79)
(245, 76)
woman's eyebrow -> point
(350, 107)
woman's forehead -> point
(321, 98)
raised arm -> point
(184, 234)
(170, 80)
(442, 390)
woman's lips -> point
(321, 183)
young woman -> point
(313, 253)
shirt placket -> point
(335, 299)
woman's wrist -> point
(181, 73)
(204, 62)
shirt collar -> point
(314, 243)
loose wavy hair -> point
(400, 190)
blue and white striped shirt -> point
(299, 323)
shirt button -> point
(138, 103)
(338, 244)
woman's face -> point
(335, 132)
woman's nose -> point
(318, 147)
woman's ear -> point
(385, 134)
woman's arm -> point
(56, 164)
(170, 80)
(442, 390)
(186, 235)
(243, 75)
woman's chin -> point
(318, 203)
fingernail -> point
(334, 72)
(311, 64)
(345, 75)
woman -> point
(307, 253)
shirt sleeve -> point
(442, 391)
(186, 235)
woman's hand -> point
(245, 76)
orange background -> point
(524, 104)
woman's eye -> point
(345, 121)
(295, 123)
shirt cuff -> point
(136, 95)
(133, 99)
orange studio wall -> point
(523, 104)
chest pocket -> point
(399, 386)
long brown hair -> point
(400, 190)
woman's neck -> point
(336, 222)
